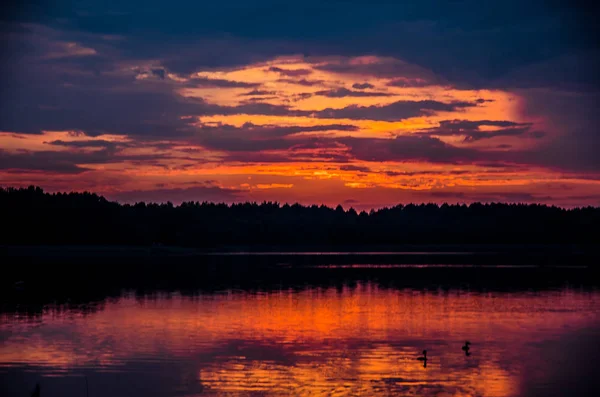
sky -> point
(364, 104)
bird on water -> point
(424, 358)
(466, 348)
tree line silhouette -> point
(31, 216)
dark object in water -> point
(424, 358)
(36, 391)
(466, 348)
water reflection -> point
(363, 339)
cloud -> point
(396, 111)
(420, 173)
(258, 92)
(205, 192)
(290, 72)
(404, 82)
(74, 160)
(490, 197)
(249, 108)
(250, 137)
(344, 92)
(301, 96)
(362, 86)
(442, 38)
(572, 118)
(249, 130)
(472, 132)
(355, 168)
(49, 162)
(219, 83)
(57, 49)
(274, 185)
(88, 143)
(114, 105)
(380, 67)
(69, 76)
(160, 73)
(303, 82)
(261, 99)
(570, 72)
(406, 148)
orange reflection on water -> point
(333, 341)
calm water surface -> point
(359, 339)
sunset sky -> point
(366, 104)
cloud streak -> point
(396, 111)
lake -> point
(352, 336)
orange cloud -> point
(319, 128)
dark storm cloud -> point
(470, 42)
(393, 112)
(344, 92)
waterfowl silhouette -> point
(424, 358)
(466, 348)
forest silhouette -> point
(33, 217)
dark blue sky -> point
(470, 41)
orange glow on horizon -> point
(320, 164)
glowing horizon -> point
(364, 131)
